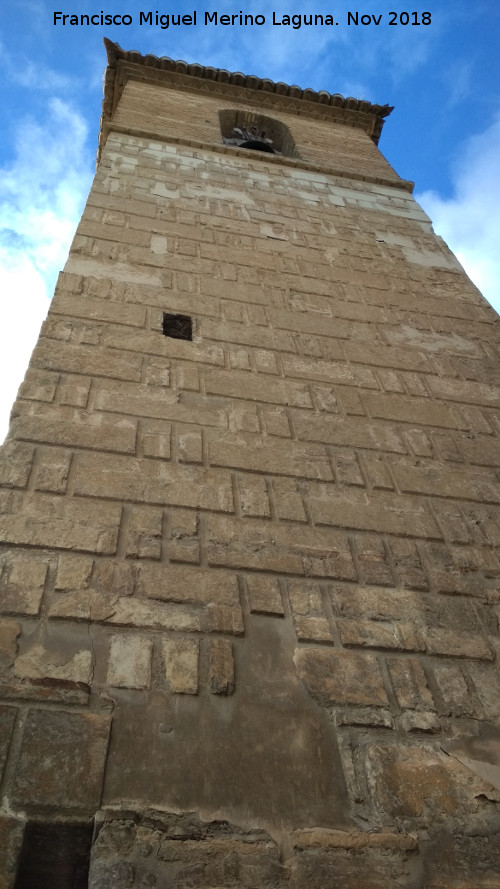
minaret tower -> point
(249, 570)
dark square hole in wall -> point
(54, 856)
(180, 327)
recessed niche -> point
(54, 855)
(179, 327)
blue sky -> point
(444, 133)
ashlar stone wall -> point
(250, 588)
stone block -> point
(373, 511)
(253, 494)
(221, 666)
(181, 657)
(410, 684)
(465, 392)
(349, 860)
(144, 533)
(157, 372)
(73, 572)
(23, 588)
(239, 359)
(53, 470)
(99, 309)
(276, 422)
(324, 838)
(390, 381)
(414, 721)
(155, 439)
(407, 564)
(377, 472)
(242, 292)
(247, 544)
(389, 356)
(179, 583)
(373, 717)
(154, 402)
(419, 442)
(372, 559)
(16, 460)
(460, 482)
(153, 481)
(347, 471)
(237, 384)
(455, 698)
(420, 784)
(242, 416)
(305, 598)
(184, 542)
(413, 410)
(274, 546)
(61, 760)
(379, 603)
(340, 677)
(130, 661)
(186, 376)
(39, 385)
(67, 426)
(351, 402)
(458, 569)
(264, 595)
(278, 456)
(55, 662)
(486, 681)
(311, 316)
(326, 399)
(114, 577)
(44, 691)
(125, 611)
(63, 523)
(247, 335)
(353, 432)
(289, 503)
(313, 629)
(10, 630)
(224, 619)
(461, 859)
(447, 642)
(190, 445)
(375, 634)
(83, 359)
(328, 372)
(450, 519)
(74, 390)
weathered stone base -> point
(180, 851)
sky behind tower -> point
(437, 62)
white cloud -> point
(469, 221)
(35, 75)
(41, 197)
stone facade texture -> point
(250, 582)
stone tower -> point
(250, 516)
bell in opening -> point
(256, 132)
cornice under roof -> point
(130, 64)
